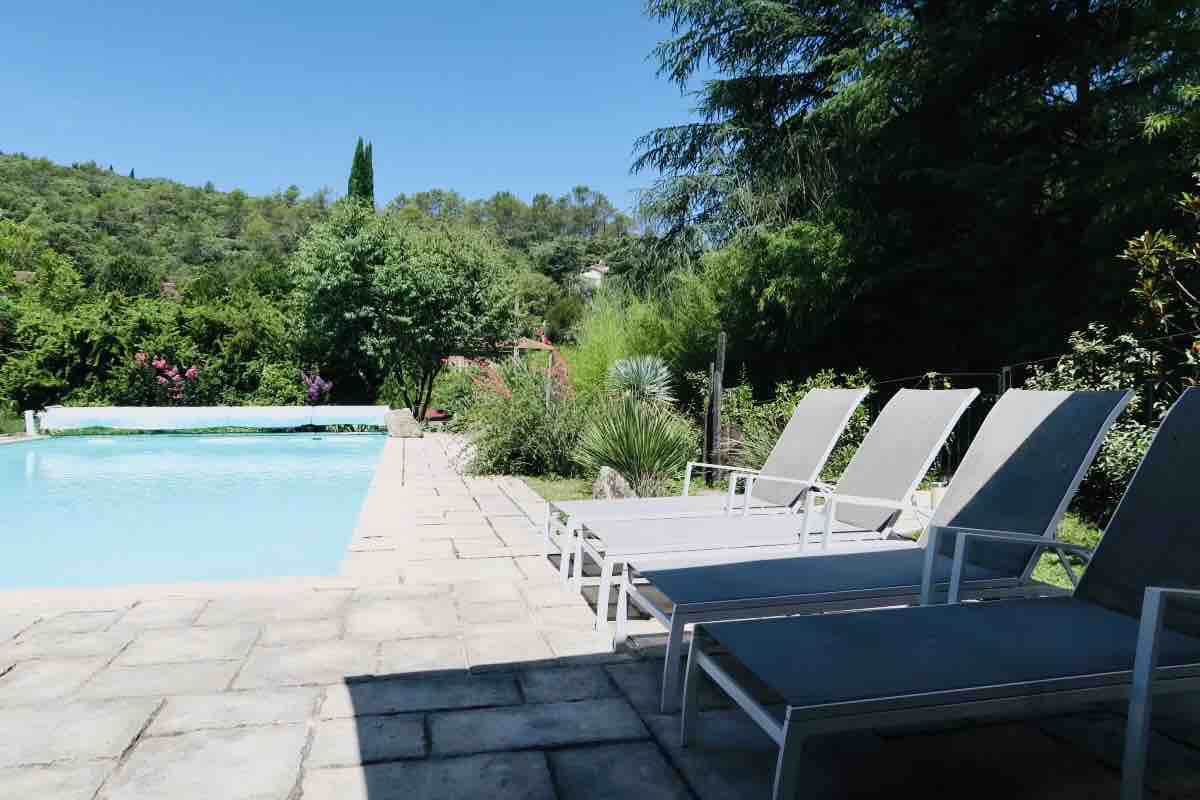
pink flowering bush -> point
(166, 384)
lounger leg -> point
(547, 542)
(606, 578)
(577, 567)
(622, 609)
(565, 543)
(787, 768)
(1137, 730)
(690, 724)
(673, 665)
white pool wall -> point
(61, 418)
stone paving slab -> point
(154, 680)
(547, 725)
(103, 644)
(74, 782)
(79, 731)
(366, 740)
(307, 664)
(434, 654)
(190, 644)
(564, 684)
(436, 693)
(499, 776)
(235, 710)
(48, 679)
(237, 764)
(617, 772)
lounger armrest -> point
(1137, 729)
(966, 535)
(691, 465)
(750, 479)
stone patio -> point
(445, 661)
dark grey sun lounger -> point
(793, 465)
(1031, 655)
(1018, 475)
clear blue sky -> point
(528, 96)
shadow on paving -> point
(590, 727)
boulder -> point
(610, 485)
(401, 425)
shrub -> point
(1101, 361)
(647, 443)
(279, 385)
(643, 378)
(515, 431)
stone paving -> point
(444, 661)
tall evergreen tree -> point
(354, 184)
(361, 185)
(368, 188)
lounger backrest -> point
(806, 442)
(1153, 538)
(898, 450)
(1022, 469)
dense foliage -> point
(969, 168)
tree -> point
(386, 297)
(361, 185)
(443, 290)
(979, 154)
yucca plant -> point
(647, 443)
(642, 378)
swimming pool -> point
(95, 510)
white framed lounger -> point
(1018, 476)
(793, 466)
(996, 658)
(876, 487)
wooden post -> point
(706, 442)
(714, 427)
(548, 378)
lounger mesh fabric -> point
(1020, 467)
(806, 442)
(1154, 536)
(815, 574)
(822, 659)
(901, 444)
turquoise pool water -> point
(94, 510)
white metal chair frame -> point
(1145, 673)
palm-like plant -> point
(642, 378)
(647, 443)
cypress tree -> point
(354, 184)
(368, 187)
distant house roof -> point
(169, 289)
(23, 275)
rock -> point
(401, 425)
(610, 485)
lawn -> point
(11, 425)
